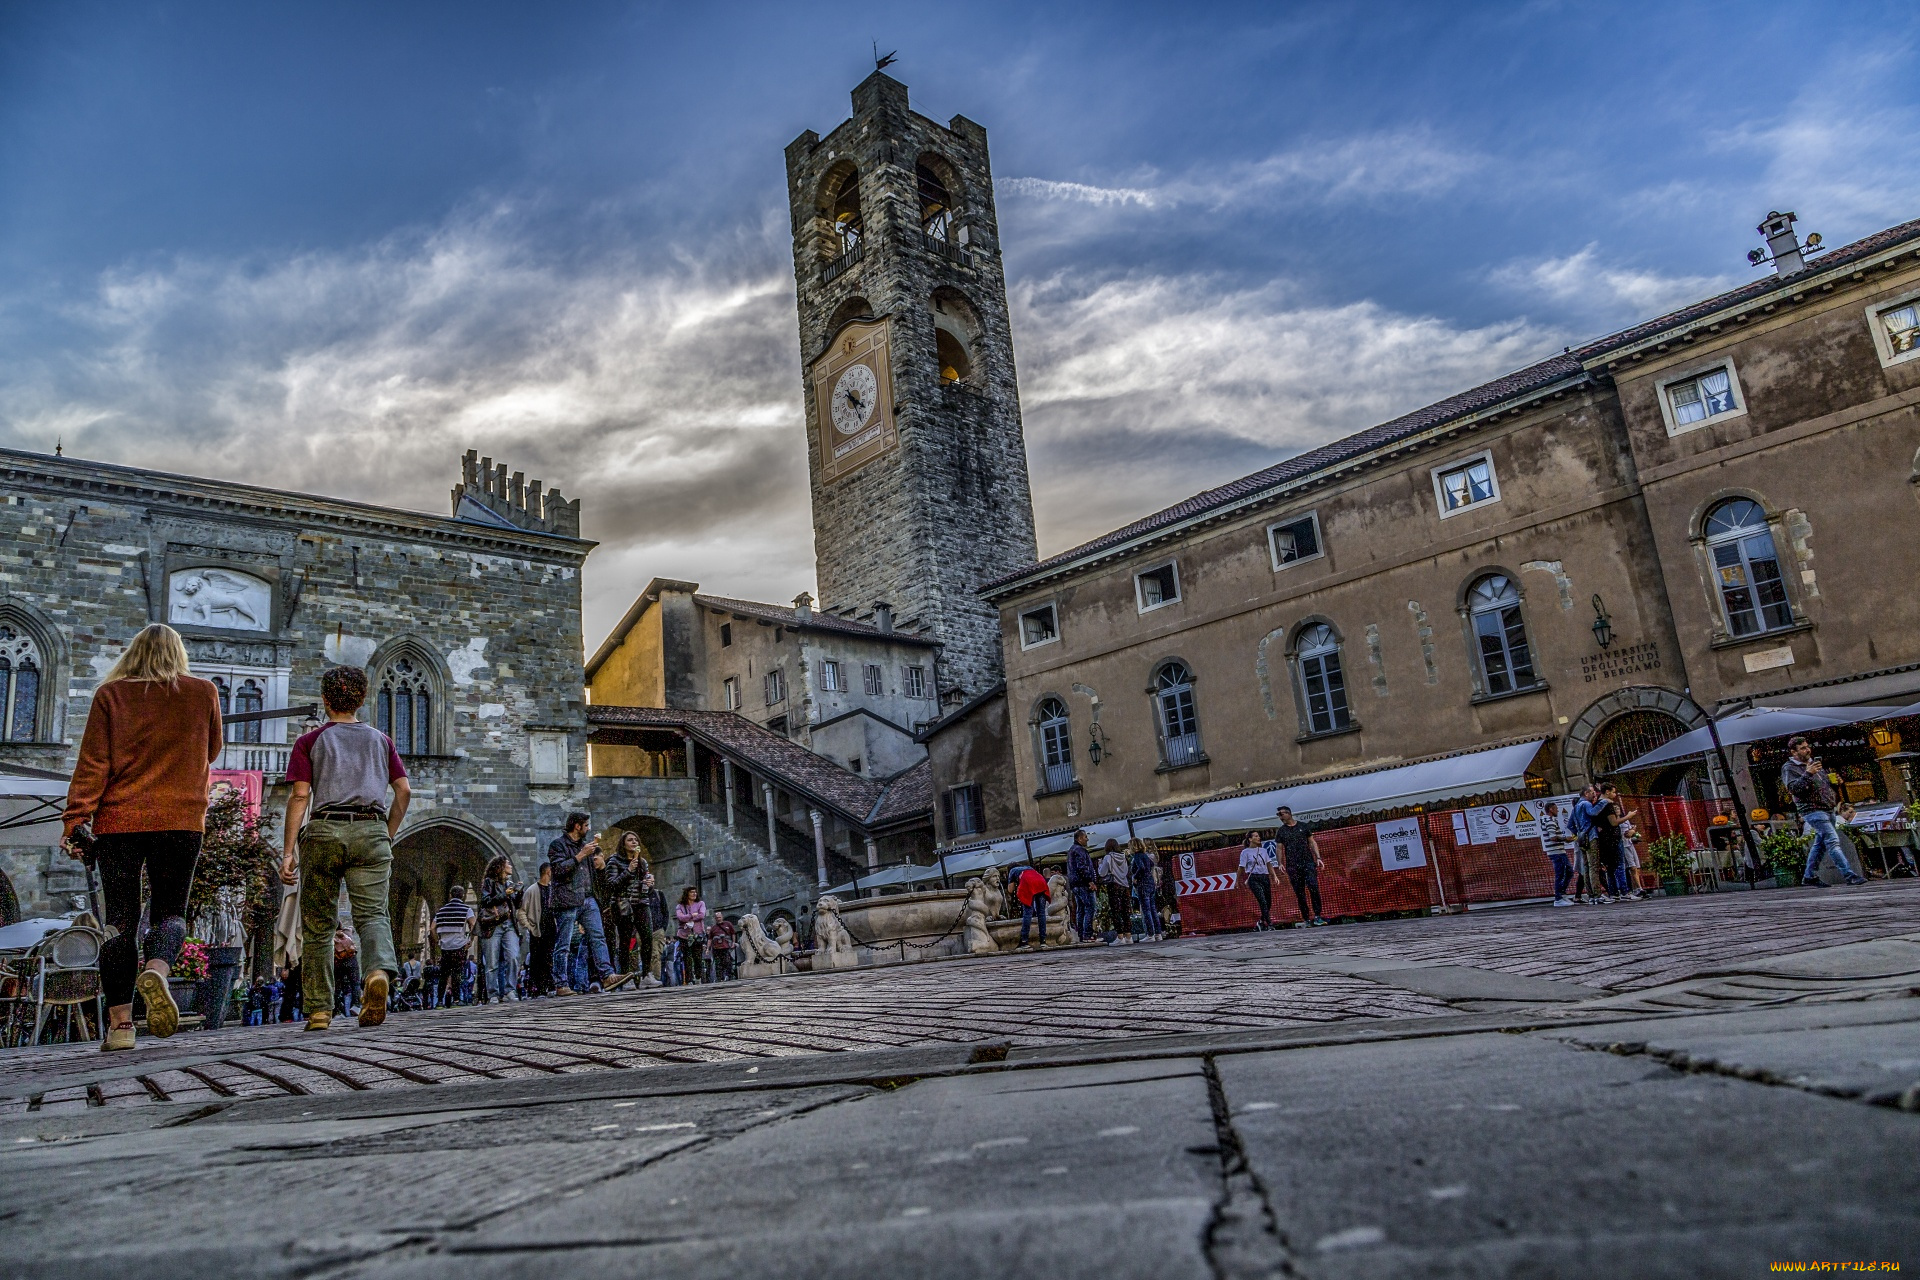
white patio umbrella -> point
(1757, 724)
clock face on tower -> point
(853, 399)
(855, 393)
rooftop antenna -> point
(882, 63)
(58, 448)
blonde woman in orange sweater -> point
(140, 787)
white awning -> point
(1455, 777)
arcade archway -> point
(427, 862)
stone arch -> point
(1576, 746)
(438, 677)
(942, 198)
(1697, 520)
(50, 706)
(854, 308)
(956, 336)
(427, 858)
(837, 206)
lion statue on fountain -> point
(760, 955)
(832, 944)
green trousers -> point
(361, 854)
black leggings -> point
(168, 857)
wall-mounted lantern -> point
(1602, 623)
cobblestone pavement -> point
(1238, 982)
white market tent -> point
(1469, 774)
(31, 802)
(1757, 723)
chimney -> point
(803, 608)
(1782, 244)
(883, 618)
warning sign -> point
(1519, 821)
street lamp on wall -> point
(1095, 752)
(1602, 623)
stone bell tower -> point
(918, 464)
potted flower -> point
(1786, 853)
(189, 969)
(1671, 860)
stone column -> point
(873, 855)
(819, 845)
(773, 832)
(691, 774)
(726, 771)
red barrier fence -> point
(1445, 871)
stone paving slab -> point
(1384, 970)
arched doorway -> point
(1622, 726)
(427, 862)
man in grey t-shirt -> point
(343, 771)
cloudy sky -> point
(330, 247)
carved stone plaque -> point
(218, 597)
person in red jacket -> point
(138, 800)
(1030, 890)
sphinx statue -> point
(761, 956)
(832, 944)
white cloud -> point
(1139, 392)
(1583, 284)
(1366, 167)
(664, 394)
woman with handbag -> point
(138, 801)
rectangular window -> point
(1038, 626)
(913, 681)
(726, 635)
(1296, 539)
(1896, 330)
(830, 676)
(1699, 397)
(1157, 587)
(1465, 484)
(731, 686)
(776, 687)
(960, 807)
(875, 681)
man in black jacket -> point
(574, 859)
(1813, 799)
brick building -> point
(468, 624)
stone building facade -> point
(1715, 505)
(854, 692)
(469, 626)
(918, 464)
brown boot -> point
(117, 1039)
(373, 999)
(320, 1020)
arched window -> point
(1506, 661)
(936, 199)
(849, 226)
(1746, 568)
(1056, 744)
(1323, 685)
(1179, 725)
(20, 667)
(956, 336)
(403, 709)
(249, 697)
